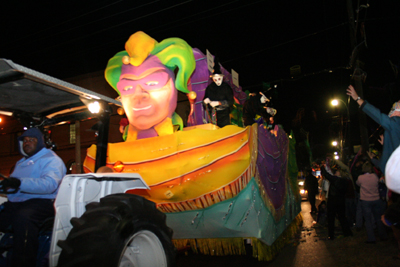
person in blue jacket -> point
(36, 179)
(390, 123)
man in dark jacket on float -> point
(219, 96)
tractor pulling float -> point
(212, 189)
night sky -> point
(261, 40)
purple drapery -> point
(272, 163)
(200, 79)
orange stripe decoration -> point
(154, 148)
(190, 165)
(203, 181)
(177, 162)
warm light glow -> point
(334, 143)
(6, 113)
(192, 95)
(336, 157)
(94, 107)
(335, 102)
(1, 119)
(118, 166)
(301, 183)
(120, 111)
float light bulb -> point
(94, 107)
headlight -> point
(302, 191)
(301, 183)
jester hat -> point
(172, 53)
(217, 67)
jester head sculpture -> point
(144, 77)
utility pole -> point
(357, 74)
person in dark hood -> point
(311, 185)
(34, 185)
(256, 105)
(219, 97)
(336, 199)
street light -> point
(335, 102)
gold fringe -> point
(236, 246)
(209, 199)
(213, 246)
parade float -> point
(220, 188)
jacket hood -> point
(32, 132)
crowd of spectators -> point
(364, 192)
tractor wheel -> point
(120, 230)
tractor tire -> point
(120, 230)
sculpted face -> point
(148, 93)
(217, 78)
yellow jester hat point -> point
(139, 47)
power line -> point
(26, 36)
(285, 43)
(296, 78)
(106, 29)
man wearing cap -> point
(36, 179)
(390, 122)
(219, 95)
(255, 106)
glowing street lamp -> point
(334, 143)
(335, 102)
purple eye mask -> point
(151, 74)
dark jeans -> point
(25, 218)
(373, 209)
(337, 206)
(311, 199)
(351, 210)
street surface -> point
(311, 248)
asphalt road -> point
(310, 247)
